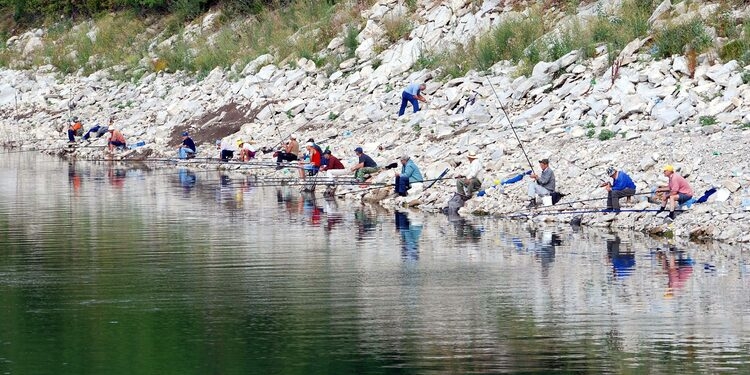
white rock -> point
(665, 115)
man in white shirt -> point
(467, 185)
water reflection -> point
(622, 260)
(465, 231)
(410, 231)
(305, 285)
(678, 267)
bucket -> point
(547, 200)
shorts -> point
(682, 198)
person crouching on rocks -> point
(468, 184)
(409, 174)
(621, 186)
(366, 165)
(116, 139)
(543, 184)
(186, 149)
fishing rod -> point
(559, 204)
(389, 185)
(592, 211)
(511, 124)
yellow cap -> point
(669, 168)
(239, 142)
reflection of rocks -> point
(653, 109)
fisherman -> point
(75, 129)
(621, 186)
(315, 145)
(290, 152)
(313, 166)
(186, 149)
(471, 182)
(116, 139)
(543, 184)
(99, 130)
(333, 166)
(247, 151)
(409, 174)
(412, 94)
(226, 147)
(676, 193)
(365, 166)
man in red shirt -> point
(312, 167)
(677, 192)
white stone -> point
(665, 115)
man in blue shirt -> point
(187, 148)
(409, 174)
(412, 94)
(621, 186)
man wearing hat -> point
(409, 174)
(333, 166)
(187, 148)
(312, 167)
(290, 152)
(470, 183)
(365, 166)
(247, 151)
(679, 191)
(543, 184)
(621, 186)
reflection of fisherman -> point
(187, 178)
(678, 266)
(410, 233)
(464, 230)
(365, 223)
(623, 262)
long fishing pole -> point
(389, 185)
(511, 124)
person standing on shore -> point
(621, 186)
(412, 94)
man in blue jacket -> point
(621, 186)
(409, 174)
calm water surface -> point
(110, 269)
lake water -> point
(111, 269)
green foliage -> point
(376, 62)
(350, 40)
(590, 133)
(606, 134)
(396, 28)
(746, 77)
(672, 40)
(332, 116)
(590, 125)
(707, 120)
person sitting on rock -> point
(333, 166)
(313, 166)
(247, 151)
(678, 191)
(186, 149)
(116, 139)
(412, 94)
(543, 184)
(290, 152)
(409, 174)
(365, 167)
(75, 129)
(621, 186)
(470, 183)
(227, 149)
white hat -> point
(293, 136)
(310, 144)
(472, 154)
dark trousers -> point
(285, 156)
(226, 155)
(613, 197)
(407, 98)
(71, 135)
(402, 185)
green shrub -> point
(672, 40)
(350, 40)
(707, 120)
(606, 134)
(590, 133)
(396, 28)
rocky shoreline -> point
(580, 113)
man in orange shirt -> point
(677, 192)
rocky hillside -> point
(585, 111)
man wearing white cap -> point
(470, 183)
(621, 186)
